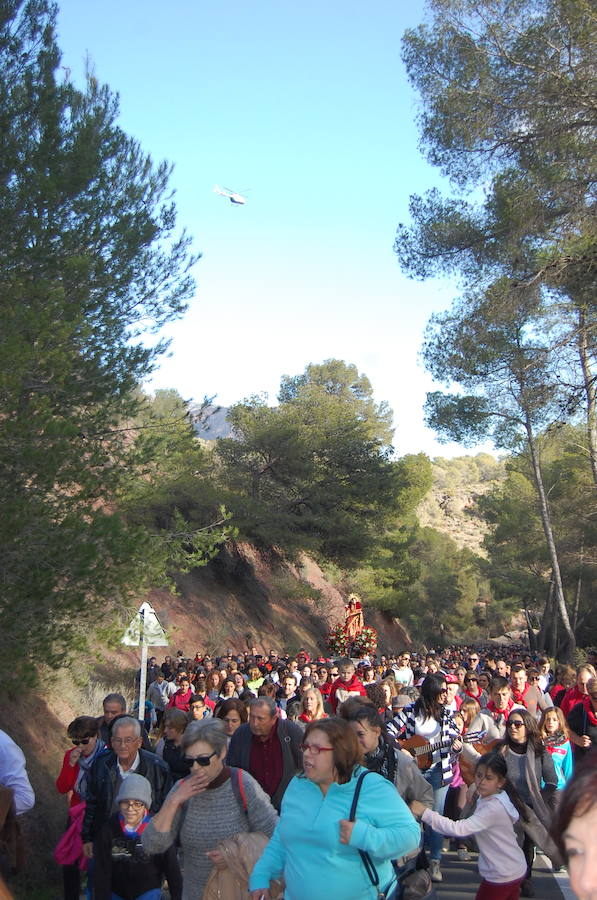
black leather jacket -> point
(102, 782)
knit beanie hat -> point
(135, 787)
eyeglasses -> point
(132, 804)
(315, 749)
(533, 678)
(335, 674)
(124, 741)
(83, 741)
(202, 760)
(515, 723)
(471, 680)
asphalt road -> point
(461, 880)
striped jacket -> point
(403, 727)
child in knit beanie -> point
(122, 869)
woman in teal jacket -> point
(314, 846)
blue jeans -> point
(434, 778)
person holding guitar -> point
(427, 729)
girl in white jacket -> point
(502, 864)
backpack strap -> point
(238, 788)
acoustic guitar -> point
(467, 766)
(422, 750)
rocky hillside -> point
(451, 505)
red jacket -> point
(181, 700)
(354, 687)
(68, 778)
(570, 699)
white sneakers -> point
(434, 870)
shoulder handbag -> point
(367, 861)
(410, 884)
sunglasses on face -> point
(83, 741)
(203, 760)
(471, 680)
(517, 723)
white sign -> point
(153, 633)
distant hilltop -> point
(213, 423)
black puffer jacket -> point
(102, 788)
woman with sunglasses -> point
(214, 803)
(322, 861)
(430, 718)
(532, 772)
(83, 733)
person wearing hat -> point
(454, 699)
(123, 870)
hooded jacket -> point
(501, 860)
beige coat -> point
(231, 882)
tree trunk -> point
(578, 586)
(554, 650)
(589, 386)
(532, 635)
(546, 627)
(569, 642)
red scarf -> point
(474, 696)
(140, 827)
(571, 698)
(520, 695)
(495, 712)
(306, 718)
(586, 702)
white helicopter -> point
(235, 198)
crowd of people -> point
(247, 773)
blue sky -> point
(306, 107)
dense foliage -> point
(312, 473)
(91, 259)
(508, 93)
